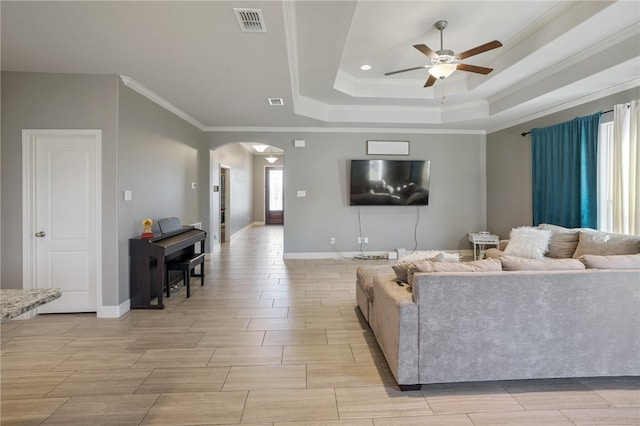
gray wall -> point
(157, 160)
(144, 148)
(509, 197)
(57, 101)
(457, 192)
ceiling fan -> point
(444, 62)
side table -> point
(480, 241)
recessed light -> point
(365, 67)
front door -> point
(63, 227)
(274, 206)
(225, 229)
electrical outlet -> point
(332, 240)
(366, 240)
(359, 240)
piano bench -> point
(187, 265)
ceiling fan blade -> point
(424, 49)
(430, 81)
(474, 68)
(408, 69)
(479, 49)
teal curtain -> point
(564, 167)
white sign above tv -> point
(387, 147)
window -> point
(619, 170)
(605, 173)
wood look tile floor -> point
(263, 342)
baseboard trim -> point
(353, 254)
(114, 311)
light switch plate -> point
(301, 193)
(194, 185)
(127, 195)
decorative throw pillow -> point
(401, 270)
(419, 255)
(423, 266)
(606, 243)
(528, 242)
(616, 261)
(511, 263)
(419, 266)
(446, 257)
(563, 240)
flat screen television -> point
(389, 183)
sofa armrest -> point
(395, 325)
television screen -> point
(389, 183)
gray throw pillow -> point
(606, 243)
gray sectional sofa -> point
(504, 325)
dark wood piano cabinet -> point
(147, 263)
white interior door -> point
(65, 217)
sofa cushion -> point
(365, 274)
(512, 263)
(494, 253)
(402, 268)
(606, 243)
(485, 265)
(528, 242)
(616, 261)
(563, 240)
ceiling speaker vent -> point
(250, 20)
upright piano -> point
(147, 263)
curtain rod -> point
(523, 134)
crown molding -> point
(566, 105)
(375, 130)
(154, 97)
(622, 43)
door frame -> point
(29, 140)
(267, 168)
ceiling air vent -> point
(276, 101)
(250, 20)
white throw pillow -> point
(528, 242)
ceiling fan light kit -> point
(442, 70)
(444, 61)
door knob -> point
(40, 234)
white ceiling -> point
(193, 58)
